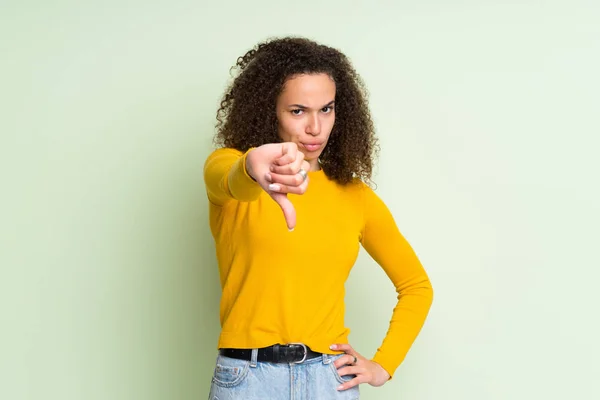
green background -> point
(488, 117)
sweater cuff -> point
(388, 364)
(241, 185)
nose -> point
(313, 126)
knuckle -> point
(276, 178)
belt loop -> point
(253, 358)
(326, 359)
(276, 353)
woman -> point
(295, 136)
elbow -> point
(425, 290)
(421, 288)
(430, 292)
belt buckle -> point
(305, 353)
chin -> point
(309, 156)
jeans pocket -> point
(338, 377)
(230, 372)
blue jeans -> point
(314, 379)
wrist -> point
(383, 373)
(248, 165)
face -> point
(306, 114)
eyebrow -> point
(304, 107)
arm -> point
(226, 177)
(230, 174)
(384, 242)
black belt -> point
(288, 353)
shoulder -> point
(357, 191)
(223, 154)
(225, 151)
(367, 195)
(358, 187)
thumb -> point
(289, 212)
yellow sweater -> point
(285, 287)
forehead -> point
(309, 90)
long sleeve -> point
(382, 239)
(226, 178)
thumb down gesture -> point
(280, 168)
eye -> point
(327, 109)
(296, 112)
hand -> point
(276, 168)
(366, 371)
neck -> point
(314, 165)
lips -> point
(312, 146)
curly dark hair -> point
(247, 114)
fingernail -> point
(272, 168)
(340, 387)
(274, 187)
(333, 347)
(268, 176)
(291, 230)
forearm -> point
(407, 320)
(226, 177)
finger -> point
(304, 186)
(288, 180)
(350, 384)
(305, 165)
(292, 167)
(289, 212)
(288, 153)
(350, 370)
(344, 360)
(346, 348)
(280, 188)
